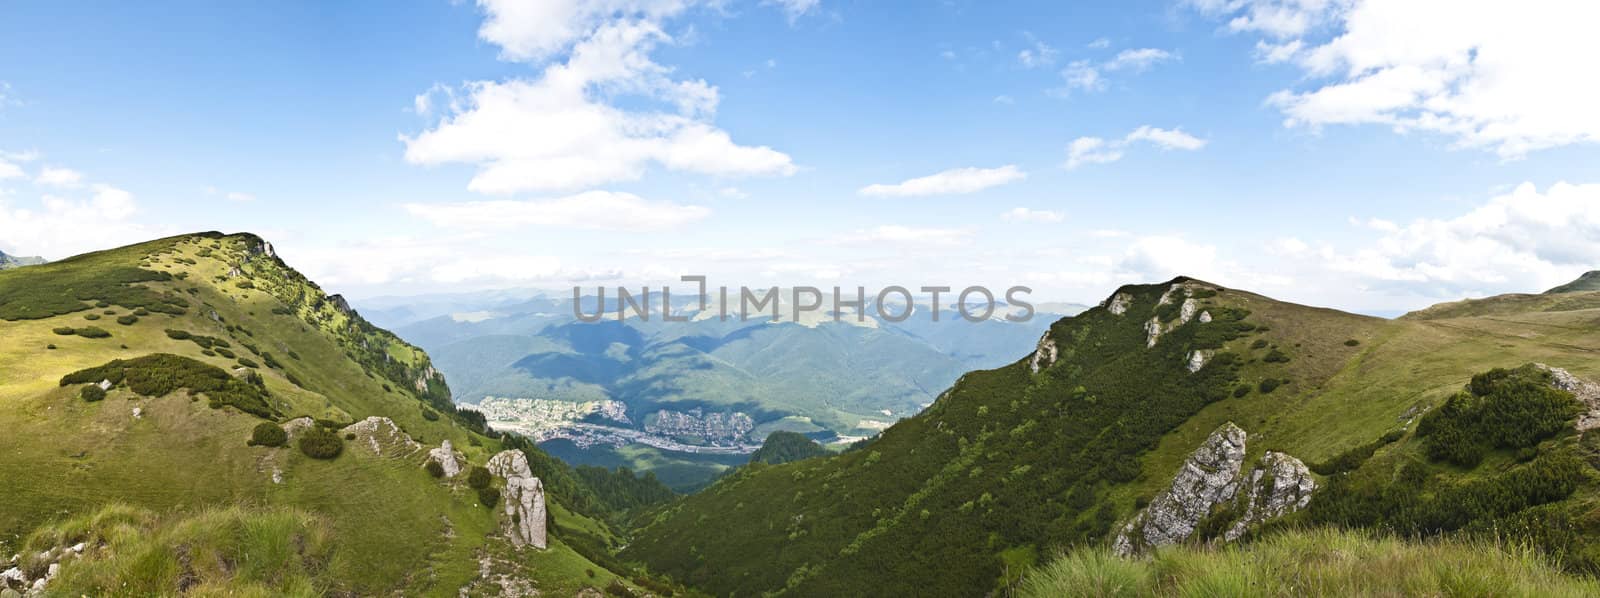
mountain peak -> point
(1589, 281)
(13, 261)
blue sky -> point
(1362, 155)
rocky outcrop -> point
(1119, 303)
(1585, 391)
(1045, 354)
(1279, 485)
(16, 580)
(382, 436)
(1207, 491)
(1209, 477)
(1197, 360)
(523, 511)
(297, 425)
(449, 459)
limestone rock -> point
(297, 425)
(1205, 317)
(1045, 354)
(1209, 477)
(1119, 304)
(448, 458)
(1288, 489)
(382, 436)
(523, 514)
(1197, 360)
(1585, 391)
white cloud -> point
(905, 235)
(1092, 150)
(59, 177)
(10, 171)
(1523, 241)
(1100, 43)
(732, 193)
(596, 210)
(561, 130)
(1087, 75)
(1095, 150)
(1510, 77)
(795, 8)
(59, 227)
(403, 263)
(1040, 55)
(240, 197)
(1031, 215)
(1270, 53)
(950, 182)
(1004, 99)
(1138, 59)
(1166, 138)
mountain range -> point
(691, 398)
(191, 415)
(12, 261)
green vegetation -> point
(268, 434)
(1003, 465)
(1502, 409)
(85, 332)
(1356, 457)
(434, 468)
(158, 374)
(92, 393)
(1312, 563)
(233, 551)
(128, 320)
(318, 442)
(70, 285)
(784, 447)
(479, 478)
(488, 496)
(620, 490)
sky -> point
(1370, 156)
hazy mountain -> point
(12, 261)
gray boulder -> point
(523, 516)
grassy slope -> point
(1340, 396)
(1315, 563)
(61, 456)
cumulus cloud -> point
(563, 130)
(950, 182)
(61, 226)
(795, 8)
(1508, 77)
(1040, 55)
(10, 171)
(1095, 150)
(595, 210)
(240, 197)
(59, 177)
(1137, 59)
(1525, 240)
(1032, 215)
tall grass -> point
(1319, 562)
(233, 551)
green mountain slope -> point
(1589, 281)
(1012, 464)
(220, 317)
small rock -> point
(448, 458)
(104, 385)
(78, 548)
(138, 413)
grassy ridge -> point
(1319, 562)
(397, 529)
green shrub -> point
(1241, 390)
(489, 496)
(159, 374)
(1351, 343)
(92, 393)
(64, 330)
(617, 588)
(1268, 385)
(91, 317)
(1276, 356)
(245, 284)
(320, 443)
(92, 332)
(128, 320)
(248, 362)
(1352, 459)
(1259, 343)
(434, 468)
(479, 477)
(140, 311)
(430, 415)
(224, 352)
(1501, 409)
(268, 434)
(181, 335)
(50, 347)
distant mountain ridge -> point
(12, 261)
(1589, 281)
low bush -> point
(479, 477)
(434, 468)
(92, 393)
(489, 496)
(1351, 343)
(1268, 385)
(248, 362)
(64, 330)
(1276, 356)
(181, 335)
(619, 589)
(159, 374)
(128, 320)
(268, 434)
(430, 415)
(1241, 390)
(91, 317)
(1501, 409)
(320, 443)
